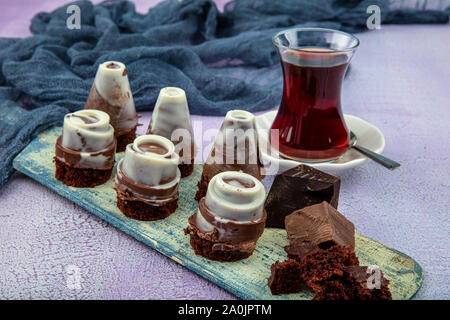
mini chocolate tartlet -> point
(236, 148)
(111, 93)
(147, 179)
(230, 218)
(171, 119)
(84, 153)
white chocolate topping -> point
(87, 131)
(149, 168)
(171, 113)
(235, 196)
(237, 140)
(111, 82)
(240, 115)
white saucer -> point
(368, 135)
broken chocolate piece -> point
(297, 188)
(300, 250)
(321, 224)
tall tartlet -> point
(230, 218)
(147, 179)
(111, 93)
(171, 119)
(84, 153)
(235, 149)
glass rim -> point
(312, 50)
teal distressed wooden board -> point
(246, 279)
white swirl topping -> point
(112, 84)
(171, 113)
(236, 141)
(151, 160)
(87, 131)
(235, 196)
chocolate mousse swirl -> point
(87, 140)
(149, 171)
(231, 214)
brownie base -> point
(204, 247)
(285, 277)
(348, 288)
(202, 186)
(139, 210)
(186, 169)
(333, 274)
(124, 139)
(80, 177)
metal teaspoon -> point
(386, 162)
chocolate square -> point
(297, 188)
(321, 224)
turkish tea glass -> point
(310, 126)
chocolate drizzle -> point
(239, 182)
(228, 231)
(153, 148)
(148, 172)
(112, 65)
(87, 141)
(171, 119)
(111, 93)
(129, 190)
(74, 158)
(122, 125)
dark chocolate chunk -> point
(297, 188)
(321, 224)
(300, 250)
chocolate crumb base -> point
(285, 277)
(204, 247)
(186, 169)
(139, 210)
(80, 177)
(124, 139)
(202, 188)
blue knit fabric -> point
(217, 58)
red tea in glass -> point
(310, 122)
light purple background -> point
(399, 81)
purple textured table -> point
(52, 249)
